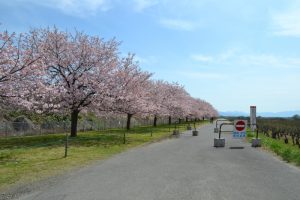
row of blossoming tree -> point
(49, 70)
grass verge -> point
(31, 158)
(288, 152)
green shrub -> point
(275, 147)
(287, 155)
(287, 152)
(297, 160)
(250, 135)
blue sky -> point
(232, 53)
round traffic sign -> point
(240, 125)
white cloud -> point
(202, 75)
(178, 24)
(222, 57)
(79, 8)
(202, 58)
(228, 54)
(269, 61)
(141, 59)
(259, 60)
(233, 57)
(149, 60)
(286, 23)
(141, 5)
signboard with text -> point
(239, 129)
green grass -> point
(31, 158)
(288, 152)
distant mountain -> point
(279, 114)
(233, 113)
(262, 114)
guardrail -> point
(216, 130)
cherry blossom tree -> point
(130, 94)
(18, 61)
(202, 109)
(77, 70)
(48, 70)
(157, 95)
(174, 104)
(183, 104)
(209, 110)
(166, 99)
(178, 103)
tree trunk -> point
(179, 121)
(186, 119)
(74, 120)
(155, 121)
(273, 134)
(170, 120)
(128, 121)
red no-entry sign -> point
(239, 129)
(240, 125)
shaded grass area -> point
(30, 158)
(288, 152)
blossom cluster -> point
(49, 70)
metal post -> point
(65, 126)
(6, 129)
(218, 120)
(83, 124)
(124, 138)
(22, 125)
(256, 130)
(221, 128)
(66, 145)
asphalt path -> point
(188, 167)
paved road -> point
(186, 168)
